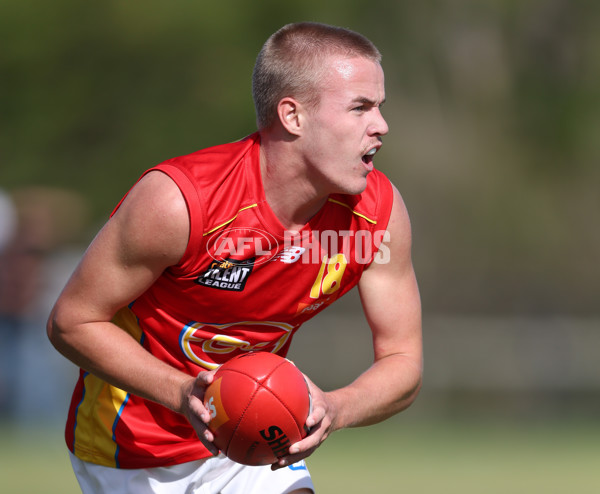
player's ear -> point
(289, 112)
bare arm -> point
(392, 306)
(147, 234)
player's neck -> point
(290, 192)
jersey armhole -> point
(385, 195)
(194, 206)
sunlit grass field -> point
(395, 457)
(465, 458)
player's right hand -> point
(193, 408)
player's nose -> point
(379, 125)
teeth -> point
(371, 152)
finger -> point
(316, 416)
(204, 434)
(205, 377)
(196, 398)
(288, 460)
(196, 405)
(302, 449)
(203, 380)
(310, 442)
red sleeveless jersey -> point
(244, 284)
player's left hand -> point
(320, 424)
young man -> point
(230, 250)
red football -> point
(259, 403)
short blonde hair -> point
(292, 63)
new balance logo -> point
(290, 255)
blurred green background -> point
(494, 143)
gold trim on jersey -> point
(353, 211)
(228, 221)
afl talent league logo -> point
(229, 274)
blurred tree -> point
(493, 109)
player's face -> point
(345, 130)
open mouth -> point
(368, 157)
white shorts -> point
(216, 475)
